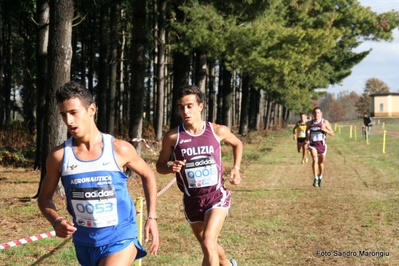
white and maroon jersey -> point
(317, 136)
(203, 172)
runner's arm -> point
(162, 165)
(62, 227)
(127, 157)
(326, 127)
(224, 134)
(307, 139)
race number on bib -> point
(302, 133)
(95, 207)
(317, 137)
(201, 172)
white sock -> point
(320, 176)
(316, 177)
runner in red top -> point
(195, 145)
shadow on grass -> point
(41, 259)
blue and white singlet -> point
(97, 197)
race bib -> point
(302, 134)
(202, 172)
(317, 137)
(95, 207)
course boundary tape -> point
(26, 240)
(146, 143)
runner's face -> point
(190, 109)
(75, 116)
(317, 114)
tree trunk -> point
(59, 68)
(181, 70)
(28, 92)
(121, 94)
(200, 77)
(92, 48)
(138, 71)
(272, 115)
(234, 107)
(161, 68)
(254, 108)
(220, 94)
(268, 112)
(43, 17)
(278, 115)
(285, 116)
(244, 106)
(8, 73)
(212, 92)
(83, 34)
(114, 40)
(103, 77)
(152, 104)
(227, 98)
(2, 88)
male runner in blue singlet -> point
(90, 165)
(195, 145)
(316, 132)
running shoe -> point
(320, 182)
(233, 262)
(306, 160)
(315, 182)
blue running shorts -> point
(91, 256)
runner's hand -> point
(64, 228)
(177, 165)
(235, 177)
(151, 228)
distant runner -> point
(368, 123)
(299, 132)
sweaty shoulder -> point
(170, 137)
(221, 131)
(55, 157)
(123, 151)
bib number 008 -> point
(201, 172)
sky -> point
(382, 62)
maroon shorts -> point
(320, 147)
(196, 207)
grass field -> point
(277, 216)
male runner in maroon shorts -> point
(195, 145)
(316, 132)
